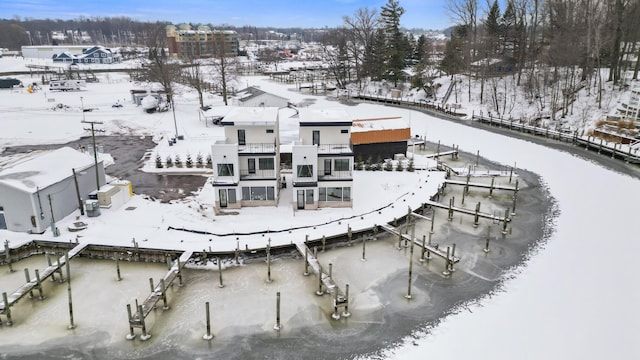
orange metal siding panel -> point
(379, 136)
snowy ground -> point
(576, 298)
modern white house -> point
(322, 159)
(40, 190)
(246, 164)
(254, 97)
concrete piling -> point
(208, 335)
(151, 284)
(324, 241)
(349, 235)
(330, 270)
(7, 253)
(118, 268)
(48, 257)
(450, 211)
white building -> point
(48, 51)
(322, 159)
(41, 190)
(246, 164)
(254, 97)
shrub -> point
(399, 167)
(189, 162)
(169, 162)
(199, 162)
(209, 162)
(388, 166)
(178, 161)
(158, 162)
(410, 167)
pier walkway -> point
(339, 298)
(159, 292)
(36, 282)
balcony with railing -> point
(246, 174)
(335, 175)
(335, 149)
(257, 148)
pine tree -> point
(158, 161)
(169, 162)
(178, 161)
(199, 160)
(492, 28)
(209, 162)
(189, 161)
(396, 49)
(410, 167)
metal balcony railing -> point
(257, 174)
(264, 148)
(334, 149)
(335, 175)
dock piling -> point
(306, 261)
(39, 285)
(364, 244)
(486, 245)
(131, 335)
(28, 278)
(277, 326)
(66, 260)
(7, 309)
(208, 335)
(220, 283)
(346, 312)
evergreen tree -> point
(492, 29)
(158, 161)
(395, 42)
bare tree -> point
(194, 77)
(225, 67)
(161, 68)
(363, 27)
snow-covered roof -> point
(45, 169)
(253, 92)
(390, 123)
(326, 116)
(253, 116)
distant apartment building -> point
(246, 164)
(203, 42)
(322, 159)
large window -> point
(225, 169)
(341, 164)
(252, 166)
(315, 137)
(266, 163)
(309, 196)
(334, 194)
(305, 170)
(258, 193)
(242, 138)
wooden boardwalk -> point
(331, 287)
(35, 282)
(137, 319)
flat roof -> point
(43, 169)
(378, 124)
(253, 116)
(324, 117)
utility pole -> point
(93, 138)
(173, 109)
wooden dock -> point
(339, 298)
(36, 282)
(159, 292)
(480, 185)
(467, 211)
(433, 249)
